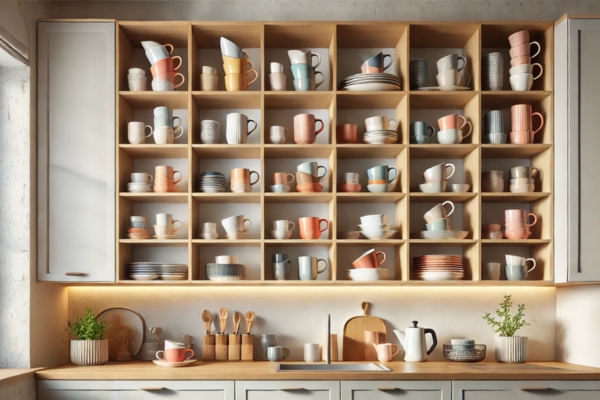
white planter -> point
(89, 352)
(511, 348)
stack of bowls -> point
(521, 179)
(163, 68)
(375, 227)
(136, 79)
(235, 63)
(491, 231)
(436, 178)
(224, 272)
(138, 228)
(492, 181)
(521, 71)
(305, 73)
(140, 183)
(212, 182)
(515, 223)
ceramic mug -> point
(421, 132)
(380, 123)
(164, 178)
(438, 211)
(491, 271)
(451, 62)
(518, 272)
(277, 134)
(277, 353)
(136, 132)
(312, 352)
(165, 65)
(305, 131)
(141, 177)
(524, 50)
(283, 225)
(370, 259)
(308, 268)
(385, 351)
(282, 178)
(243, 174)
(237, 130)
(346, 133)
(166, 134)
(236, 224)
(310, 227)
(382, 172)
(178, 354)
(439, 173)
(312, 168)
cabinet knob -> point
(75, 274)
(534, 389)
(152, 389)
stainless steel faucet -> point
(328, 344)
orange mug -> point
(346, 133)
(369, 259)
(175, 354)
(451, 122)
(310, 227)
(164, 179)
(165, 65)
(282, 178)
(243, 174)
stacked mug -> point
(165, 129)
(521, 179)
(305, 73)
(380, 130)
(163, 66)
(516, 267)
(137, 228)
(436, 178)
(375, 227)
(494, 128)
(235, 65)
(210, 132)
(421, 132)
(516, 224)
(451, 130)
(175, 352)
(350, 182)
(240, 180)
(136, 79)
(367, 267)
(236, 227)
(209, 81)
(277, 77)
(492, 181)
(310, 227)
(521, 68)
(209, 231)
(436, 219)
(140, 182)
(307, 177)
(165, 226)
(281, 182)
(521, 119)
(376, 64)
(282, 229)
(448, 71)
(282, 267)
(380, 178)
(491, 231)
(164, 179)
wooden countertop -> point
(440, 370)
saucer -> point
(445, 88)
(174, 364)
(162, 237)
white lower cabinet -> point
(135, 390)
(525, 390)
(403, 390)
(287, 390)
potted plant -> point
(509, 348)
(89, 348)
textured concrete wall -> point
(23, 387)
(15, 206)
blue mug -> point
(382, 172)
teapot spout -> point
(400, 336)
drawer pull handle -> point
(534, 389)
(75, 274)
(391, 389)
(152, 389)
(291, 389)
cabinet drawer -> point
(135, 390)
(526, 390)
(388, 390)
(287, 390)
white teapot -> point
(413, 341)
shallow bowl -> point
(282, 188)
(521, 188)
(368, 274)
(433, 187)
(380, 188)
(377, 235)
(459, 187)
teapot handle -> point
(434, 337)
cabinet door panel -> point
(133, 395)
(287, 390)
(76, 151)
(526, 390)
(390, 390)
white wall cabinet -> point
(287, 390)
(525, 390)
(135, 390)
(76, 152)
(577, 101)
(389, 390)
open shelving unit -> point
(342, 46)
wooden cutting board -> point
(353, 348)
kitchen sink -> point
(371, 367)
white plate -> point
(437, 235)
(445, 88)
(140, 189)
(143, 277)
(123, 316)
(380, 140)
(367, 87)
(173, 364)
(440, 276)
(212, 190)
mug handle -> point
(151, 178)
(293, 226)
(159, 357)
(257, 177)
(470, 129)
(391, 61)
(464, 60)
(453, 170)
(464, 122)
(395, 123)
(397, 350)
(321, 270)
(326, 225)
(534, 264)
(180, 129)
(377, 253)
(541, 70)
(292, 180)
(325, 173)
(539, 48)
(429, 136)
(317, 84)
(538, 172)
(180, 62)
(148, 126)
(176, 181)
(451, 205)
(255, 125)
(534, 219)
(191, 355)
(248, 62)
(171, 46)
(178, 125)
(286, 355)
(318, 60)
(322, 126)
(390, 180)
(249, 226)
(253, 80)
(541, 123)
(182, 80)
(179, 227)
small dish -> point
(369, 274)
(350, 187)
(433, 187)
(440, 235)
(144, 277)
(309, 187)
(459, 187)
(174, 364)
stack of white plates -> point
(136, 187)
(147, 271)
(438, 267)
(212, 182)
(381, 137)
(371, 82)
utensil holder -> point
(208, 348)
(235, 348)
(221, 344)
(248, 347)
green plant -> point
(88, 327)
(508, 324)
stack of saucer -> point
(147, 271)
(173, 272)
(138, 187)
(374, 227)
(370, 82)
(381, 137)
(438, 267)
(212, 182)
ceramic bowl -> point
(302, 177)
(377, 234)
(209, 236)
(138, 235)
(521, 188)
(369, 274)
(491, 227)
(224, 272)
(379, 188)
(282, 188)
(433, 187)
(281, 234)
(459, 187)
(309, 187)
(371, 227)
(236, 236)
(350, 187)
(492, 235)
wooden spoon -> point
(207, 318)
(249, 319)
(223, 314)
(237, 318)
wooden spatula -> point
(223, 314)
(207, 318)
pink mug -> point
(451, 122)
(384, 351)
(519, 137)
(175, 354)
(305, 128)
(519, 216)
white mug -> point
(276, 68)
(167, 220)
(438, 211)
(136, 132)
(283, 225)
(311, 352)
(166, 134)
(277, 134)
(171, 344)
(439, 173)
(225, 260)
(141, 177)
(236, 224)
(237, 128)
(209, 227)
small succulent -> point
(508, 324)
(88, 327)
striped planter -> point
(511, 349)
(89, 352)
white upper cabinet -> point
(76, 152)
(577, 89)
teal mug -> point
(517, 272)
(382, 172)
